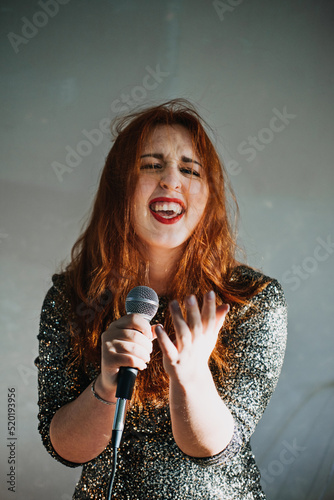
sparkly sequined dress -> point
(150, 464)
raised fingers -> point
(221, 313)
(168, 348)
(193, 315)
(182, 331)
(210, 319)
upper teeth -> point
(166, 206)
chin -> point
(165, 245)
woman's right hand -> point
(126, 342)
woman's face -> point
(172, 191)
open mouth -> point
(166, 211)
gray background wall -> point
(242, 62)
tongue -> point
(167, 214)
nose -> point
(170, 177)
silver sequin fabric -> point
(150, 464)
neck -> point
(162, 266)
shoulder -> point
(244, 275)
(58, 296)
(59, 283)
(269, 288)
(266, 303)
(60, 287)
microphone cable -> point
(113, 473)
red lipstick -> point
(161, 219)
(173, 200)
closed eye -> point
(190, 171)
(150, 166)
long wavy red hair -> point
(107, 261)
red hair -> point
(107, 261)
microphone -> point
(141, 300)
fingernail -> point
(159, 329)
(191, 300)
(228, 308)
(211, 295)
(174, 305)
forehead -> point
(169, 138)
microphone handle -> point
(125, 384)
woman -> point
(208, 366)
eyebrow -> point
(160, 156)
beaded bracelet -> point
(99, 397)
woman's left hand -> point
(196, 338)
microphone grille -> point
(142, 300)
